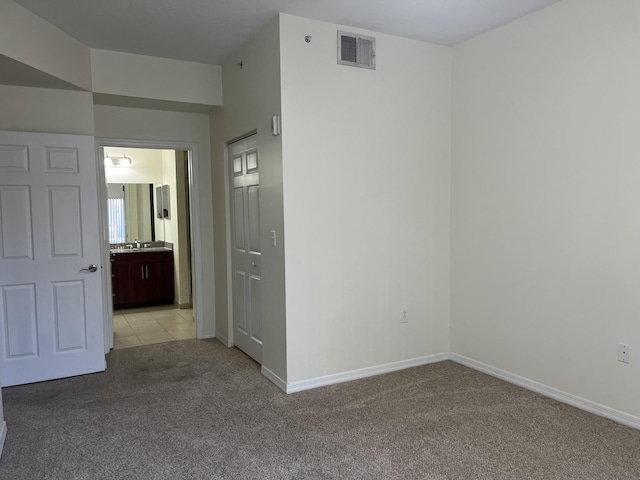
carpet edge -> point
(551, 392)
(359, 373)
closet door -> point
(246, 251)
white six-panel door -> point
(246, 253)
(51, 323)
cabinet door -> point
(129, 286)
(160, 278)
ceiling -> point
(210, 31)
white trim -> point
(227, 215)
(360, 373)
(281, 384)
(564, 397)
(196, 240)
(196, 245)
(105, 255)
(224, 340)
(3, 436)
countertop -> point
(141, 250)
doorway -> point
(141, 318)
(148, 208)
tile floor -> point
(144, 326)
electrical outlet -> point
(404, 315)
(623, 353)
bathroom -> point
(149, 236)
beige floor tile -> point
(137, 322)
(187, 314)
(123, 331)
(164, 313)
(180, 328)
(160, 308)
(180, 335)
(149, 329)
(126, 342)
(170, 317)
(150, 325)
(131, 311)
(151, 339)
(137, 316)
(171, 322)
(119, 321)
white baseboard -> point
(224, 340)
(281, 384)
(3, 436)
(564, 397)
(207, 335)
(362, 373)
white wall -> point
(146, 166)
(546, 198)
(183, 265)
(141, 76)
(171, 224)
(152, 125)
(169, 178)
(366, 201)
(252, 96)
(27, 109)
(29, 39)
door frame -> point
(196, 239)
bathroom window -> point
(117, 229)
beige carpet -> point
(197, 410)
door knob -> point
(92, 268)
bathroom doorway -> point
(157, 199)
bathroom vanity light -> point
(117, 161)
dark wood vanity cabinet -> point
(142, 279)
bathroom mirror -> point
(130, 207)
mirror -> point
(130, 207)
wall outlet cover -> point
(623, 353)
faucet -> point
(137, 242)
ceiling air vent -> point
(356, 50)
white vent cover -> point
(356, 50)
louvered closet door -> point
(246, 256)
(51, 323)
